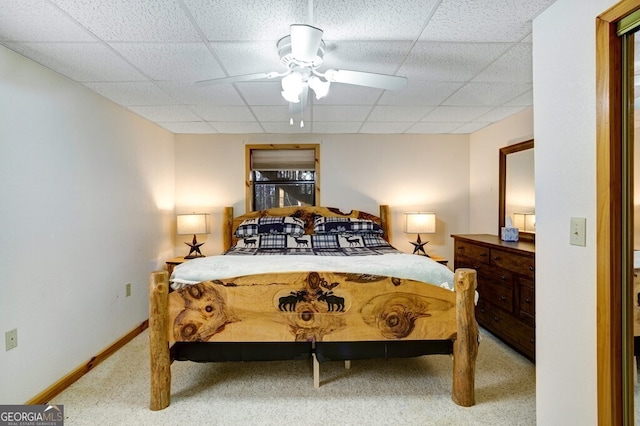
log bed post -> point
(158, 342)
(227, 228)
(465, 347)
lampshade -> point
(420, 223)
(192, 224)
(524, 221)
(319, 87)
(292, 86)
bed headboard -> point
(230, 223)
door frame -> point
(611, 373)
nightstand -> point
(173, 262)
(439, 259)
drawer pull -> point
(531, 268)
(483, 254)
(482, 310)
(503, 278)
(503, 298)
(527, 300)
(532, 340)
(496, 319)
(495, 258)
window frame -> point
(249, 185)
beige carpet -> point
(412, 391)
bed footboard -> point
(464, 337)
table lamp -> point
(420, 223)
(196, 224)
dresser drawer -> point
(467, 262)
(527, 305)
(517, 263)
(499, 276)
(507, 327)
(496, 294)
(478, 253)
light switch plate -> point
(578, 235)
(11, 339)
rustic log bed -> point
(312, 314)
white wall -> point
(564, 52)
(484, 150)
(87, 205)
(407, 172)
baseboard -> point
(53, 390)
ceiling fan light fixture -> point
(319, 87)
(292, 86)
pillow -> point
(345, 225)
(271, 225)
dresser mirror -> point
(516, 189)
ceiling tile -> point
(284, 127)
(526, 99)
(382, 57)
(469, 128)
(165, 113)
(262, 93)
(340, 113)
(347, 94)
(487, 94)
(239, 58)
(189, 94)
(132, 93)
(125, 20)
(497, 114)
(386, 127)
(515, 66)
(495, 20)
(372, 19)
(385, 113)
(278, 113)
(223, 113)
(423, 127)
(196, 127)
(437, 61)
(336, 126)
(236, 127)
(79, 61)
(234, 20)
(454, 114)
(424, 93)
(36, 20)
(171, 61)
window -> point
(281, 176)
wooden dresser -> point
(506, 284)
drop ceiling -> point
(468, 62)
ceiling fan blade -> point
(367, 79)
(305, 41)
(235, 78)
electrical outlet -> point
(11, 339)
(127, 289)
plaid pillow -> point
(271, 225)
(345, 225)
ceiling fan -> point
(302, 53)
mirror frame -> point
(502, 185)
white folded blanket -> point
(399, 265)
